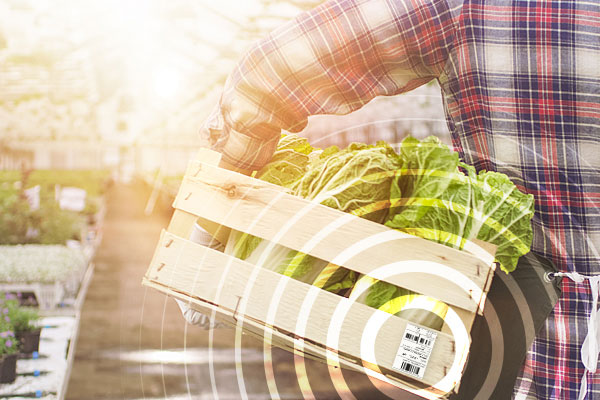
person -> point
(520, 80)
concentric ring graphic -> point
(380, 385)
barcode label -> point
(415, 350)
(410, 368)
(417, 339)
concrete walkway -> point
(134, 344)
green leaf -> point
(485, 206)
(356, 180)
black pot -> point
(8, 368)
(29, 340)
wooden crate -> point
(303, 318)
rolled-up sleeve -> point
(330, 60)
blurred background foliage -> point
(127, 83)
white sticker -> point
(415, 349)
(72, 198)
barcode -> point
(417, 339)
(412, 337)
(413, 369)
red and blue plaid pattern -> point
(521, 86)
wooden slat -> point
(182, 223)
(467, 317)
(214, 277)
(483, 250)
(284, 341)
(259, 208)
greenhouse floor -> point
(134, 344)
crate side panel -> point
(245, 204)
(223, 280)
(289, 343)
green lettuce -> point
(287, 166)
(432, 198)
(289, 162)
(356, 180)
(455, 207)
(423, 190)
(420, 309)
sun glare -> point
(167, 82)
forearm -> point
(331, 60)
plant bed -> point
(46, 375)
(41, 269)
(45, 295)
(35, 207)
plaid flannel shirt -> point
(521, 86)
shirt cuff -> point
(246, 152)
(238, 149)
(213, 132)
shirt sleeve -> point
(330, 60)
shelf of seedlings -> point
(45, 373)
(53, 279)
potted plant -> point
(8, 349)
(24, 325)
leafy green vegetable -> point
(422, 190)
(289, 162)
(454, 207)
(425, 171)
(355, 180)
(433, 199)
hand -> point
(214, 135)
(196, 318)
(226, 165)
(192, 316)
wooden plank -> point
(467, 318)
(194, 170)
(486, 252)
(182, 223)
(258, 330)
(218, 231)
(483, 250)
(253, 206)
(217, 278)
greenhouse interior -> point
(102, 109)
